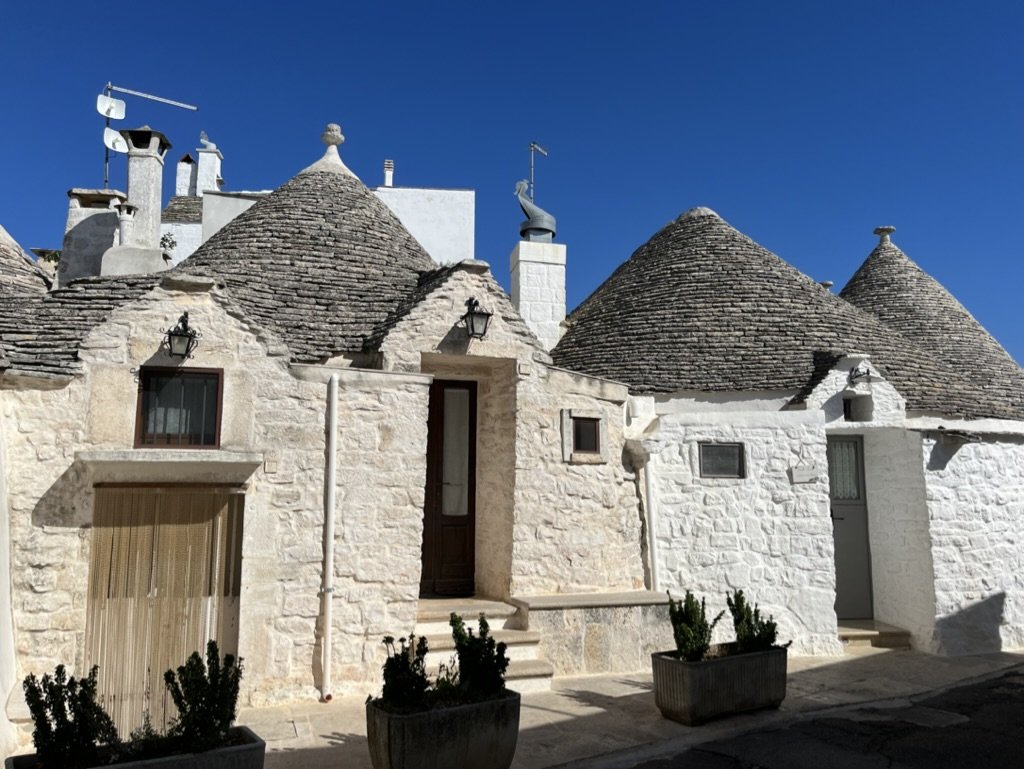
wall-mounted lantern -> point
(859, 373)
(476, 319)
(183, 339)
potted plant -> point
(72, 731)
(699, 681)
(465, 718)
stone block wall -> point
(975, 494)
(762, 533)
(901, 555)
(577, 525)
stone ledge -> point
(562, 601)
(170, 465)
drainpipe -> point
(327, 590)
(652, 523)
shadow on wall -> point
(972, 630)
(68, 501)
(455, 342)
(943, 451)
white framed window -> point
(584, 437)
(722, 460)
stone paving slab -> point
(599, 721)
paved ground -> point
(606, 722)
(978, 725)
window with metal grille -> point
(179, 407)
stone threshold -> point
(561, 601)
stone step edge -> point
(439, 642)
(519, 669)
(469, 613)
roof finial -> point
(884, 233)
(332, 135)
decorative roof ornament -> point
(331, 161)
(884, 233)
(539, 225)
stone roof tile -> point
(702, 307)
(183, 209)
(18, 273)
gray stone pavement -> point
(611, 722)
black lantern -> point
(182, 339)
(476, 319)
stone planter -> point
(248, 754)
(694, 692)
(478, 736)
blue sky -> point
(805, 125)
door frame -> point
(431, 580)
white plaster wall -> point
(898, 530)
(188, 238)
(888, 407)
(577, 525)
(89, 232)
(761, 533)
(219, 208)
(975, 497)
(443, 221)
(8, 678)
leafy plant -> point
(69, 725)
(753, 634)
(690, 627)
(206, 696)
(482, 661)
(405, 673)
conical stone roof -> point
(18, 275)
(320, 261)
(895, 289)
(702, 307)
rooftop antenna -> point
(113, 109)
(534, 148)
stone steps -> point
(526, 672)
(880, 635)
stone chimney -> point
(91, 228)
(538, 272)
(185, 177)
(208, 176)
(146, 152)
(389, 173)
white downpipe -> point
(652, 523)
(331, 473)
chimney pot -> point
(389, 173)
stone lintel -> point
(170, 465)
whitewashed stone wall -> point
(976, 506)
(577, 525)
(898, 530)
(875, 396)
(187, 238)
(761, 533)
(8, 665)
(381, 458)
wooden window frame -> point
(742, 457)
(140, 421)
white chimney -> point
(538, 287)
(389, 173)
(146, 151)
(125, 223)
(185, 177)
(208, 176)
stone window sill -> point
(586, 458)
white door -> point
(850, 528)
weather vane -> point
(534, 148)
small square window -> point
(722, 460)
(178, 407)
(586, 435)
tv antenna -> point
(114, 109)
(534, 148)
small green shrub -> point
(753, 634)
(69, 725)
(482, 661)
(206, 697)
(690, 627)
(405, 673)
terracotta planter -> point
(478, 736)
(246, 755)
(694, 692)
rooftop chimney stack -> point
(208, 177)
(146, 152)
(185, 177)
(538, 271)
(389, 173)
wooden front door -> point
(449, 524)
(164, 578)
(850, 528)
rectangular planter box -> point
(246, 755)
(482, 735)
(694, 692)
